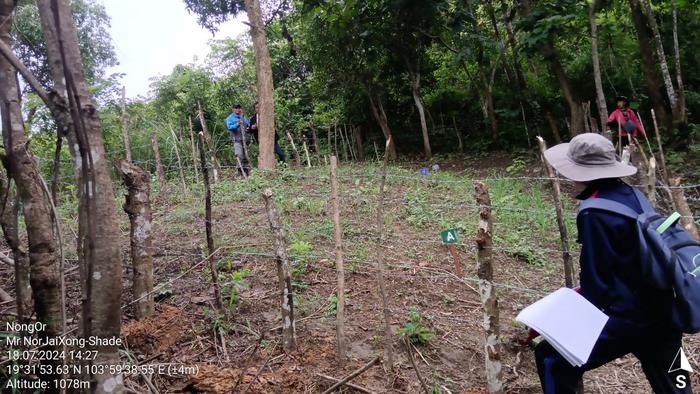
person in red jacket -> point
(625, 121)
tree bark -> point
(102, 315)
(314, 137)
(43, 259)
(284, 277)
(162, 184)
(648, 65)
(380, 117)
(359, 147)
(489, 299)
(661, 54)
(263, 69)
(9, 206)
(600, 94)
(680, 113)
(138, 206)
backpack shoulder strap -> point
(643, 201)
(610, 206)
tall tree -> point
(43, 259)
(646, 53)
(211, 14)
(600, 94)
(102, 312)
(661, 54)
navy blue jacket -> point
(610, 262)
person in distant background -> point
(234, 124)
(625, 121)
(254, 131)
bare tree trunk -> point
(137, 205)
(553, 125)
(380, 116)
(210, 143)
(648, 64)
(285, 279)
(600, 94)
(102, 253)
(489, 299)
(415, 91)
(337, 235)
(43, 259)
(681, 114)
(314, 137)
(359, 147)
(308, 158)
(295, 152)
(162, 184)
(263, 69)
(9, 206)
(660, 53)
(125, 127)
(194, 153)
(179, 160)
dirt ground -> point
(185, 331)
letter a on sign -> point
(449, 236)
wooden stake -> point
(138, 206)
(210, 143)
(284, 277)
(484, 243)
(240, 165)
(381, 267)
(194, 153)
(295, 152)
(455, 258)
(376, 150)
(563, 232)
(459, 135)
(179, 160)
(409, 351)
(125, 127)
(664, 170)
(340, 302)
(162, 185)
(352, 375)
(651, 181)
(207, 222)
(682, 206)
(308, 159)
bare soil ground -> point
(187, 331)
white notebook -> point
(568, 321)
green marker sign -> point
(449, 236)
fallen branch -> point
(413, 364)
(348, 384)
(352, 375)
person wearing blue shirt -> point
(611, 276)
(235, 124)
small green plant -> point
(414, 330)
(516, 166)
(300, 248)
(332, 308)
(217, 321)
(232, 287)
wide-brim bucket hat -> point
(587, 157)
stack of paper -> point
(568, 321)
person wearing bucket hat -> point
(610, 276)
(625, 121)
